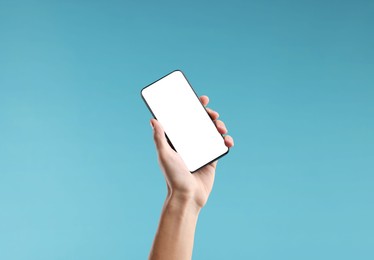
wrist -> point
(184, 203)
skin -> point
(187, 195)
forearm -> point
(175, 235)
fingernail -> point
(151, 123)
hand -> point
(180, 182)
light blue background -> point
(293, 80)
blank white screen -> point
(185, 121)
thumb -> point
(159, 136)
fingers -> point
(229, 142)
(159, 136)
(221, 127)
(213, 114)
(204, 100)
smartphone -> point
(187, 125)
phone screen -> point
(186, 123)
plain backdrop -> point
(293, 81)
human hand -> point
(181, 184)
